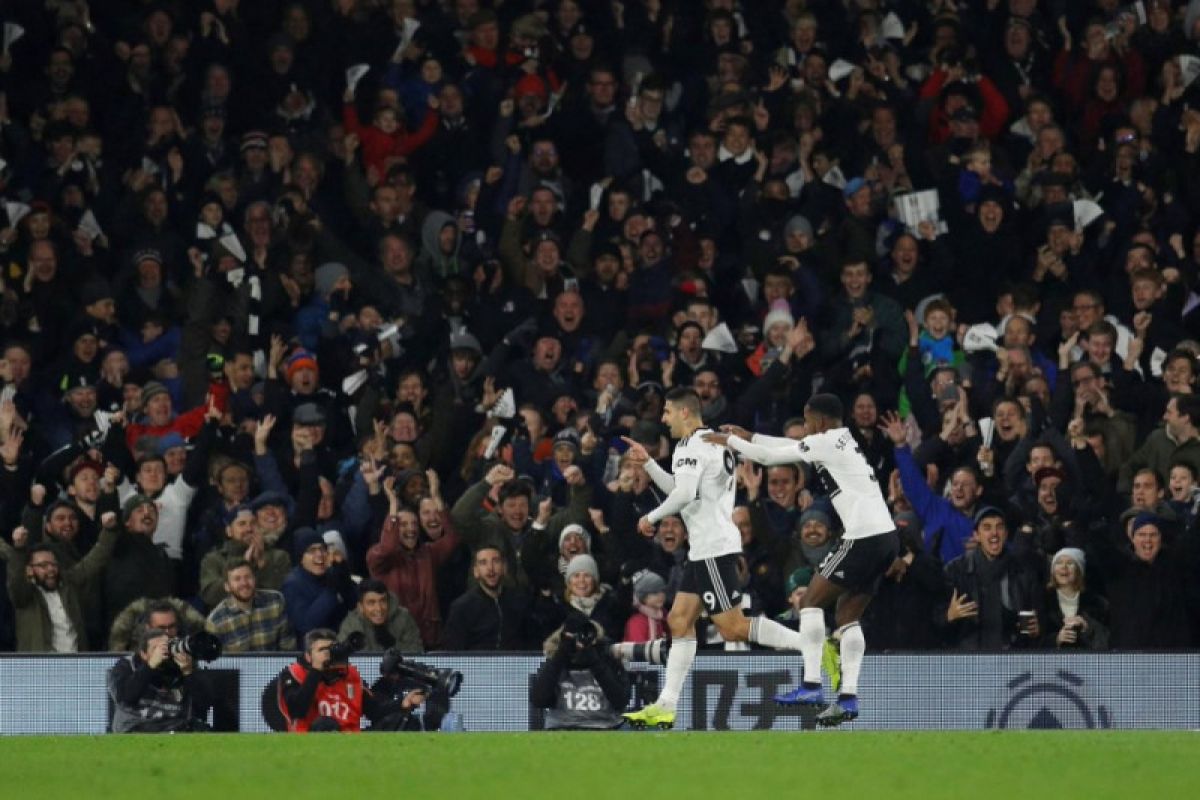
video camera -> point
(447, 681)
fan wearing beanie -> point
(301, 372)
(777, 338)
(649, 602)
(331, 289)
(585, 594)
(574, 540)
(1076, 617)
(158, 417)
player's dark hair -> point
(685, 396)
(826, 405)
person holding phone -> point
(994, 595)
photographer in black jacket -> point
(155, 690)
(405, 686)
(580, 685)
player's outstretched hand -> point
(738, 431)
(716, 438)
(645, 527)
(636, 453)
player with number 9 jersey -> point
(709, 519)
(701, 488)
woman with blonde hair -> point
(1075, 617)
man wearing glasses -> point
(1088, 307)
(49, 612)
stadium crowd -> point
(289, 346)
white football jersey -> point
(709, 517)
(844, 476)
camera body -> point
(340, 652)
(586, 636)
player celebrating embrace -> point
(701, 488)
(849, 575)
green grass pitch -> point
(1015, 765)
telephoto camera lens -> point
(202, 646)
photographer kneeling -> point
(580, 685)
(156, 689)
(322, 691)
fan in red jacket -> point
(955, 93)
(408, 566)
(159, 418)
(386, 137)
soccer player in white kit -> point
(850, 575)
(701, 488)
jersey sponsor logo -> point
(804, 448)
(685, 462)
(730, 462)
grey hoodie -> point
(432, 256)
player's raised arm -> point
(757, 438)
(639, 455)
(769, 455)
